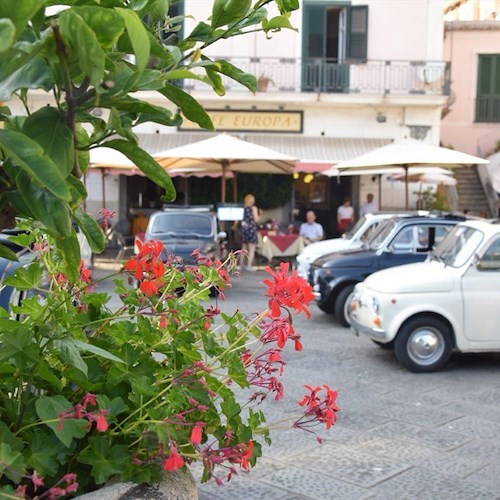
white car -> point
(354, 238)
(449, 302)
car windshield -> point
(459, 246)
(182, 225)
(348, 235)
(380, 235)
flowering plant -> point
(88, 393)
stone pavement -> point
(399, 435)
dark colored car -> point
(185, 229)
(7, 267)
(397, 241)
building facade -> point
(354, 76)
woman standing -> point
(249, 231)
(345, 215)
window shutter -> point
(357, 33)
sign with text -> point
(251, 121)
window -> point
(488, 88)
(491, 258)
(334, 36)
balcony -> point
(331, 76)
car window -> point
(349, 234)
(196, 224)
(381, 234)
(491, 258)
(403, 242)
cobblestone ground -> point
(399, 435)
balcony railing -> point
(332, 76)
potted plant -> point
(90, 394)
(263, 83)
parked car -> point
(449, 302)
(354, 238)
(397, 241)
(185, 229)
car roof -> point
(430, 218)
(489, 227)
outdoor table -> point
(279, 245)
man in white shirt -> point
(311, 230)
(369, 206)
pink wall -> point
(461, 48)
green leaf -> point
(48, 410)
(20, 70)
(43, 454)
(87, 347)
(106, 460)
(201, 33)
(7, 253)
(246, 79)
(276, 23)
(19, 12)
(146, 163)
(25, 278)
(70, 354)
(158, 10)
(19, 348)
(225, 12)
(287, 5)
(11, 463)
(84, 44)
(107, 24)
(138, 36)
(32, 159)
(77, 190)
(48, 209)
(7, 34)
(189, 106)
(47, 373)
(91, 230)
(48, 128)
(216, 81)
(69, 246)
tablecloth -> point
(286, 245)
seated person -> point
(311, 230)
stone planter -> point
(176, 485)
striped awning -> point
(314, 154)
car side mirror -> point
(221, 235)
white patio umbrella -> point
(444, 179)
(405, 154)
(225, 153)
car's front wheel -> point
(423, 344)
(342, 305)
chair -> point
(125, 244)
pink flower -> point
(174, 461)
(196, 433)
(102, 423)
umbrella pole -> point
(380, 191)
(235, 187)
(103, 180)
(224, 164)
(406, 185)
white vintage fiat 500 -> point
(449, 302)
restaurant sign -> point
(251, 121)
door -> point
(481, 298)
(324, 47)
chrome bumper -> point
(374, 333)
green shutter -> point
(357, 33)
(488, 88)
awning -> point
(315, 154)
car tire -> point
(423, 344)
(327, 307)
(342, 305)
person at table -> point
(251, 216)
(311, 230)
(345, 215)
(369, 206)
